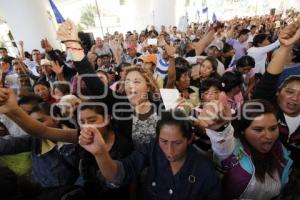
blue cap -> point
(288, 74)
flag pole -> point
(207, 14)
(98, 13)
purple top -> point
(240, 49)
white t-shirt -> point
(292, 123)
(268, 189)
(250, 38)
(260, 55)
(32, 66)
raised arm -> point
(22, 53)
(171, 69)
(117, 50)
(215, 118)
(65, 73)
(171, 74)
(58, 70)
(204, 42)
(231, 32)
(267, 87)
(114, 171)
(9, 107)
(50, 52)
(269, 47)
(288, 37)
(91, 140)
(207, 39)
(67, 33)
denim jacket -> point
(55, 168)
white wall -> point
(164, 13)
(29, 21)
(296, 4)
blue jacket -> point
(197, 173)
(55, 168)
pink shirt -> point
(234, 103)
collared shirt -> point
(240, 49)
(32, 66)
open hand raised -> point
(67, 31)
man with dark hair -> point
(239, 43)
(131, 54)
(252, 33)
(36, 61)
(4, 55)
(6, 61)
(174, 34)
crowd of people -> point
(94, 122)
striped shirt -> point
(161, 66)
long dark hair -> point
(214, 64)
(263, 163)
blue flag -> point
(214, 17)
(59, 18)
(204, 10)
